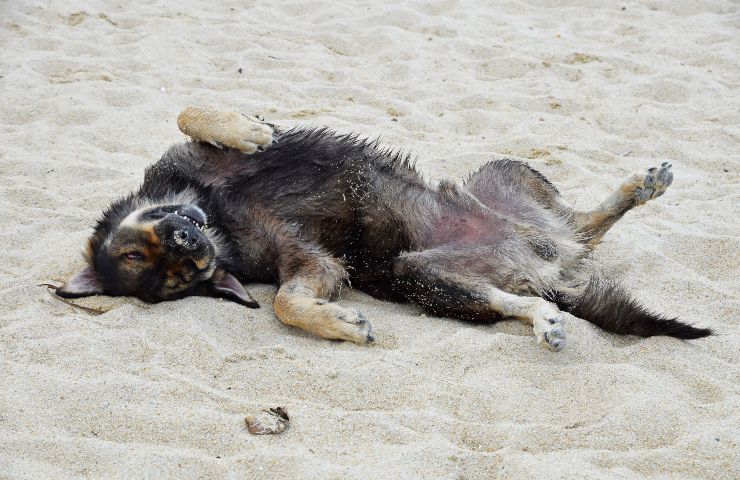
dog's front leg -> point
(223, 128)
(303, 301)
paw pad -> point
(555, 338)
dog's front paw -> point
(321, 317)
(249, 134)
(343, 323)
(225, 129)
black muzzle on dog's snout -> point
(188, 238)
(181, 234)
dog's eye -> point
(133, 256)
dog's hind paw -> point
(555, 338)
(549, 331)
(225, 129)
(654, 183)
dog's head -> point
(155, 251)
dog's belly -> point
(455, 229)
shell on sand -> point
(268, 421)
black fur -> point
(609, 306)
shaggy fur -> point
(312, 211)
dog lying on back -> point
(312, 210)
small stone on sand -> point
(268, 421)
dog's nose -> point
(186, 238)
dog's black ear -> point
(84, 284)
(224, 285)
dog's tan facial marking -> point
(201, 263)
(140, 249)
(137, 246)
(153, 246)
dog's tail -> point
(610, 307)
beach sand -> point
(588, 91)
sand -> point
(588, 91)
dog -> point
(245, 201)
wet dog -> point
(311, 211)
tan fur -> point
(225, 129)
(297, 303)
(634, 191)
(309, 278)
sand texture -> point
(589, 91)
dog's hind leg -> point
(495, 178)
(440, 288)
(223, 128)
(635, 191)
